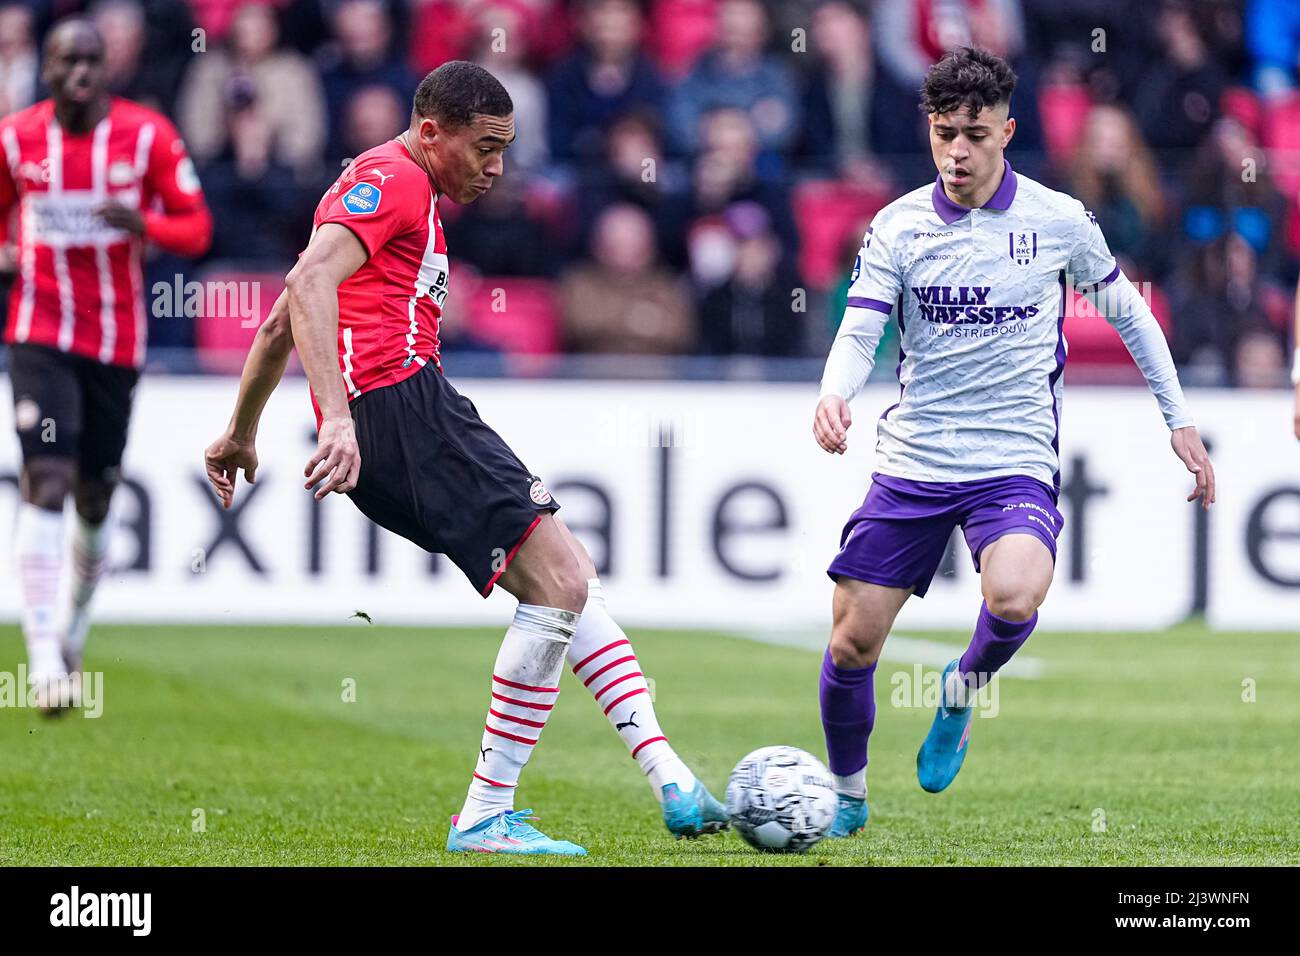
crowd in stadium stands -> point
(695, 176)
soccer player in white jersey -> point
(976, 267)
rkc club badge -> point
(1022, 247)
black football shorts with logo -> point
(433, 472)
(70, 406)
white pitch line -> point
(899, 649)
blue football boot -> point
(692, 814)
(850, 818)
(508, 832)
(944, 747)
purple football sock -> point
(848, 701)
(995, 640)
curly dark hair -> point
(970, 77)
(457, 91)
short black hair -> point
(970, 77)
(457, 91)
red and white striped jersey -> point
(80, 286)
(389, 308)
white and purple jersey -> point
(980, 296)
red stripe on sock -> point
(493, 782)
(591, 657)
(502, 733)
(523, 703)
(646, 743)
(609, 666)
(518, 720)
(619, 700)
(617, 680)
(535, 690)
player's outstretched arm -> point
(263, 369)
(849, 364)
(333, 254)
(1126, 310)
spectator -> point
(500, 234)
(851, 108)
(361, 56)
(636, 171)
(253, 102)
(19, 62)
(752, 312)
(254, 119)
(622, 301)
(503, 49)
(1115, 177)
(1228, 189)
(373, 115)
(727, 172)
(737, 73)
(1177, 99)
(1224, 311)
(606, 77)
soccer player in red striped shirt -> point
(362, 306)
(93, 177)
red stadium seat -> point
(679, 31)
(1064, 110)
(519, 316)
(1244, 106)
(1094, 341)
(828, 214)
(222, 339)
(1282, 140)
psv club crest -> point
(1022, 247)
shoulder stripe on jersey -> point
(103, 268)
(430, 264)
(13, 155)
(27, 265)
(143, 142)
(54, 143)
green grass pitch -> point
(1148, 733)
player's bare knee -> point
(92, 499)
(1013, 605)
(852, 650)
(47, 482)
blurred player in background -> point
(362, 307)
(977, 265)
(93, 176)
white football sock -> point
(603, 659)
(525, 685)
(39, 551)
(89, 555)
(959, 690)
(854, 785)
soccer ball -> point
(781, 799)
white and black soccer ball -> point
(781, 799)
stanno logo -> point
(932, 235)
(102, 909)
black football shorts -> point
(433, 472)
(71, 406)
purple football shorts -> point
(898, 536)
